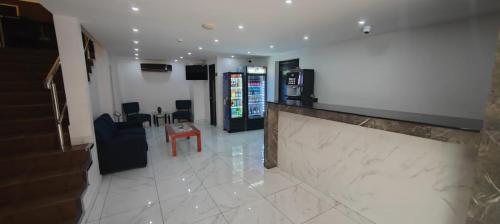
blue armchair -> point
(120, 146)
(183, 111)
(131, 111)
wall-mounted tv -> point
(196, 72)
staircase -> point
(39, 182)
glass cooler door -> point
(256, 96)
(236, 95)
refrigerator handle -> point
(225, 101)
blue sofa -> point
(120, 145)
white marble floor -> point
(225, 183)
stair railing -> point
(50, 84)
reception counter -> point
(387, 167)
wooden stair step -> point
(55, 209)
(47, 59)
(25, 67)
(29, 143)
(41, 187)
(24, 98)
(23, 76)
(25, 111)
(37, 164)
(25, 54)
(28, 125)
(28, 51)
(22, 86)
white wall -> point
(200, 100)
(81, 129)
(443, 69)
(223, 65)
(100, 83)
(153, 89)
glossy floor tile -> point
(226, 183)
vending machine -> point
(255, 92)
(234, 102)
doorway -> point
(284, 68)
(211, 83)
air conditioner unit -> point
(149, 67)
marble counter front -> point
(388, 171)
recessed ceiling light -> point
(136, 42)
(288, 1)
(240, 27)
(176, 60)
(249, 52)
(216, 40)
(232, 56)
(136, 49)
(200, 48)
(361, 22)
(181, 57)
(208, 26)
(271, 46)
(306, 37)
(135, 9)
(136, 54)
(136, 58)
(135, 30)
(189, 53)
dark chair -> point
(183, 111)
(120, 146)
(131, 111)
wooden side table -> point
(157, 116)
(187, 130)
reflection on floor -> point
(225, 183)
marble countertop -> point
(434, 120)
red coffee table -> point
(181, 130)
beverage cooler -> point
(234, 119)
(244, 99)
(256, 94)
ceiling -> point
(266, 22)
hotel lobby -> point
(246, 112)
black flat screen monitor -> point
(196, 72)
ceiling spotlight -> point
(136, 58)
(232, 56)
(135, 9)
(216, 40)
(176, 60)
(136, 42)
(136, 54)
(181, 57)
(208, 26)
(240, 27)
(135, 30)
(271, 46)
(306, 37)
(200, 48)
(361, 22)
(288, 1)
(189, 53)
(136, 49)
(249, 52)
